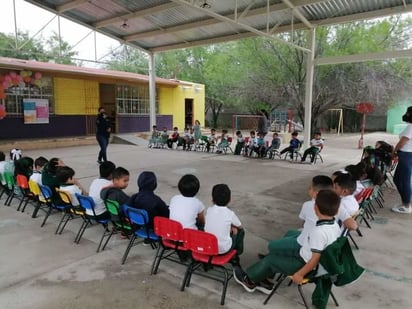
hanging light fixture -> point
(125, 25)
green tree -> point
(22, 46)
(59, 50)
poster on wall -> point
(36, 111)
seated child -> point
(3, 163)
(223, 142)
(211, 140)
(115, 192)
(275, 144)
(297, 262)
(189, 139)
(186, 208)
(251, 144)
(68, 184)
(146, 198)
(39, 164)
(344, 185)
(155, 139)
(174, 138)
(164, 136)
(240, 143)
(260, 147)
(358, 173)
(185, 139)
(224, 224)
(106, 170)
(24, 166)
(294, 145)
(316, 145)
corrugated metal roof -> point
(157, 25)
(20, 64)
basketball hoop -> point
(363, 108)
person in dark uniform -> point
(102, 134)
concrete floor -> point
(39, 269)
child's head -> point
(213, 131)
(252, 133)
(186, 129)
(106, 170)
(53, 165)
(147, 181)
(344, 185)
(238, 133)
(320, 182)
(224, 131)
(337, 173)
(164, 129)
(39, 163)
(121, 177)
(221, 194)
(154, 128)
(175, 129)
(357, 171)
(65, 174)
(261, 134)
(2, 156)
(275, 135)
(327, 203)
(294, 134)
(24, 166)
(189, 185)
(317, 135)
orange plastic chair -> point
(205, 253)
(171, 244)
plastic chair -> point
(171, 242)
(295, 154)
(26, 195)
(87, 203)
(117, 219)
(37, 197)
(3, 188)
(70, 212)
(228, 147)
(139, 219)
(205, 253)
(10, 184)
(48, 197)
(337, 271)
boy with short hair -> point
(297, 263)
(294, 145)
(115, 192)
(154, 140)
(39, 164)
(164, 136)
(251, 145)
(316, 145)
(224, 224)
(106, 170)
(185, 207)
(174, 137)
(68, 183)
(211, 139)
(344, 185)
(275, 144)
(240, 143)
(260, 147)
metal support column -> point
(309, 86)
(152, 90)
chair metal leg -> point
(186, 279)
(83, 227)
(47, 216)
(353, 241)
(302, 295)
(334, 299)
(129, 246)
(64, 220)
(225, 282)
(159, 254)
(108, 238)
(280, 279)
(105, 233)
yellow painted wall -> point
(75, 96)
(172, 102)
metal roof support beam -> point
(141, 13)
(70, 5)
(152, 90)
(245, 27)
(34, 35)
(296, 12)
(310, 57)
(381, 56)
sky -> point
(70, 32)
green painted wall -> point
(394, 123)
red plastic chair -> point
(205, 253)
(171, 234)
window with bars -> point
(16, 94)
(133, 99)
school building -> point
(44, 100)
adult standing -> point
(102, 134)
(263, 123)
(402, 177)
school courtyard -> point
(39, 269)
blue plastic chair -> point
(87, 203)
(139, 219)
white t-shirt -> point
(185, 210)
(359, 187)
(219, 220)
(2, 165)
(407, 132)
(349, 204)
(307, 214)
(316, 142)
(94, 191)
(36, 177)
(72, 190)
(323, 234)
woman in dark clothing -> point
(102, 134)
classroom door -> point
(188, 112)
